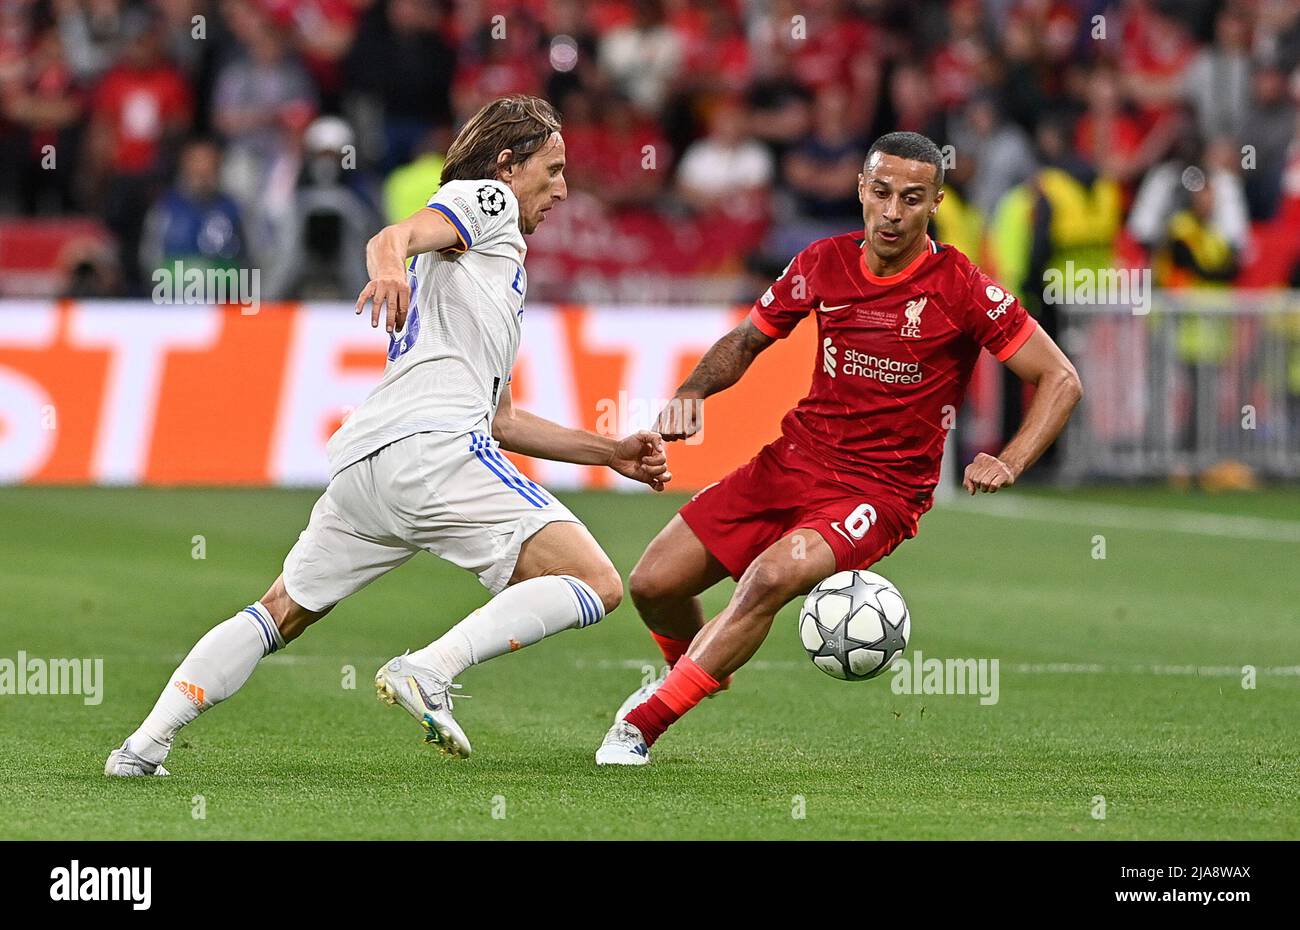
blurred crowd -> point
(281, 134)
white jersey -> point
(447, 368)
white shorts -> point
(453, 494)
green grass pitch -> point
(1119, 677)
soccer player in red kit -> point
(901, 320)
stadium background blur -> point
(226, 148)
(707, 144)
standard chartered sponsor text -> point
(879, 367)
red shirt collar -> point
(897, 276)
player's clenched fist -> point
(682, 418)
(393, 294)
(641, 457)
(987, 473)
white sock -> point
(215, 668)
(519, 616)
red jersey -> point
(139, 106)
(895, 356)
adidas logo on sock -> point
(193, 692)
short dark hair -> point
(910, 145)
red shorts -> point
(783, 489)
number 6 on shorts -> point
(861, 520)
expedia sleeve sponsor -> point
(994, 317)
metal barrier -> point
(1206, 377)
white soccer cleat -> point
(639, 696)
(427, 698)
(123, 763)
(623, 745)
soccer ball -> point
(854, 625)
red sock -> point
(673, 649)
(686, 685)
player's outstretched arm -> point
(1041, 363)
(720, 368)
(386, 254)
(640, 456)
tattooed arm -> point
(719, 369)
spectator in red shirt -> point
(1156, 52)
(43, 103)
(1055, 23)
(961, 64)
(498, 65)
(141, 105)
(139, 112)
(1111, 135)
(622, 158)
(827, 41)
(718, 56)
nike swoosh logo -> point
(424, 696)
(825, 309)
(839, 529)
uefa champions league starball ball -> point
(854, 625)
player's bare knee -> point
(290, 617)
(647, 586)
(277, 601)
(610, 590)
(605, 581)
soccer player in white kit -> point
(418, 466)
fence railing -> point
(1205, 377)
